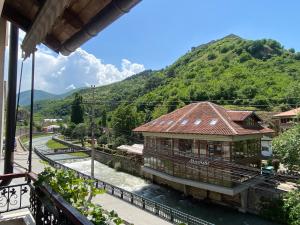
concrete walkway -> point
(125, 210)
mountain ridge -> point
(40, 95)
(261, 74)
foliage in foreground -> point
(285, 210)
(76, 191)
(287, 148)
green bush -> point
(211, 56)
(76, 191)
(103, 139)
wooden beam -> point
(52, 42)
(73, 19)
(12, 15)
(1, 6)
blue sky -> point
(156, 32)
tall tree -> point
(287, 148)
(104, 119)
(124, 119)
(77, 110)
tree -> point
(79, 132)
(124, 119)
(292, 207)
(287, 148)
(77, 110)
(104, 119)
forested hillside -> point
(259, 74)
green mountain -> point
(40, 95)
(259, 74)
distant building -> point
(205, 151)
(52, 120)
(51, 128)
(286, 120)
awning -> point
(62, 25)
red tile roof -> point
(293, 112)
(203, 118)
(239, 115)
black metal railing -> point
(160, 210)
(46, 206)
(14, 197)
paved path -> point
(125, 211)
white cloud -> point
(57, 73)
(71, 87)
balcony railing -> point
(46, 206)
(167, 213)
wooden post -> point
(2, 88)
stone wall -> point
(257, 195)
(197, 193)
(125, 163)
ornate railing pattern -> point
(14, 197)
(148, 205)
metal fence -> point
(160, 210)
(46, 206)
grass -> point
(79, 154)
(55, 145)
(25, 138)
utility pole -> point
(92, 134)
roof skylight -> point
(184, 122)
(170, 122)
(162, 122)
(213, 122)
(197, 121)
(154, 122)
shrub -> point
(103, 139)
(244, 57)
(211, 56)
(297, 56)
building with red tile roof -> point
(204, 150)
(286, 120)
(206, 118)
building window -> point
(165, 145)
(215, 150)
(150, 143)
(250, 122)
(185, 145)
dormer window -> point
(250, 122)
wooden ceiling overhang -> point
(62, 25)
